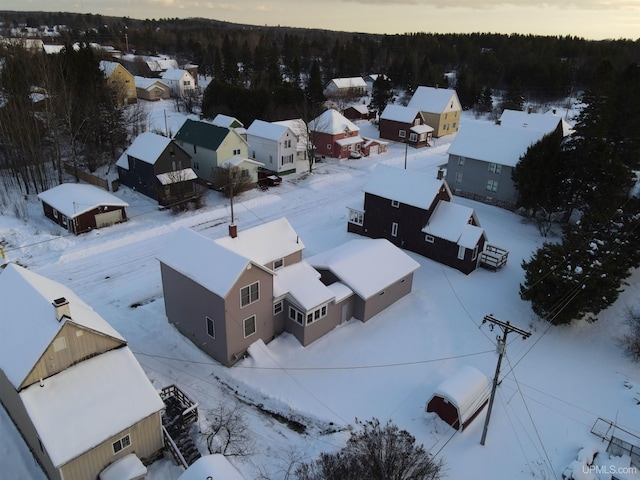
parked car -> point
(354, 155)
(267, 178)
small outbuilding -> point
(214, 466)
(79, 207)
(460, 398)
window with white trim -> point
(461, 161)
(394, 229)
(277, 307)
(121, 444)
(236, 151)
(395, 203)
(296, 315)
(495, 167)
(458, 177)
(211, 328)
(356, 217)
(429, 238)
(475, 253)
(461, 252)
(413, 137)
(249, 294)
(279, 263)
(402, 133)
(492, 185)
(249, 326)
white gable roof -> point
(467, 390)
(235, 161)
(73, 199)
(450, 221)
(493, 143)
(146, 147)
(265, 243)
(541, 122)
(202, 260)
(406, 186)
(351, 82)
(398, 113)
(333, 123)
(28, 323)
(148, 83)
(225, 120)
(367, 266)
(177, 176)
(211, 466)
(268, 130)
(301, 283)
(108, 67)
(86, 404)
(175, 74)
(434, 100)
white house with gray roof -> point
(273, 144)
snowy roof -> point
(174, 74)
(450, 221)
(86, 404)
(268, 130)
(146, 147)
(493, 143)
(374, 141)
(421, 129)
(351, 82)
(467, 390)
(301, 282)
(340, 291)
(350, 140)
(28, 324)
(204, 261)
(126, 468)
(211, 466)
(399, 113)
(540, 122)
(432, 99)
(108, 67)
(177, 176)
(265, 243)
(74, 199)
(235, 161)
(366, 265)
(333, 123)
(226, 121)
(406, 186)
(363, 109)
(148, 83)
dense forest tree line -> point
(543, 68)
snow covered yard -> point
(556, 383)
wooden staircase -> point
(179, 414)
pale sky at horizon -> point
(591, 19)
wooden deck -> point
(493, 258)
(179, 414)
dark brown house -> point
(159, 168)
(79, 207)
(414, 211)
(406, 125)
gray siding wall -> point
(187, 304)
(391, 294)
(475, 174)
(310, 333)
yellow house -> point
(440, 109)
(122, 79)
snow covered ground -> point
(556, 384)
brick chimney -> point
(62, 308)
(233, 230)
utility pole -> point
(502, 343)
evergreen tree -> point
(484, 104)
(315, 86)
(381, 94)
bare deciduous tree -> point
(228, 432)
